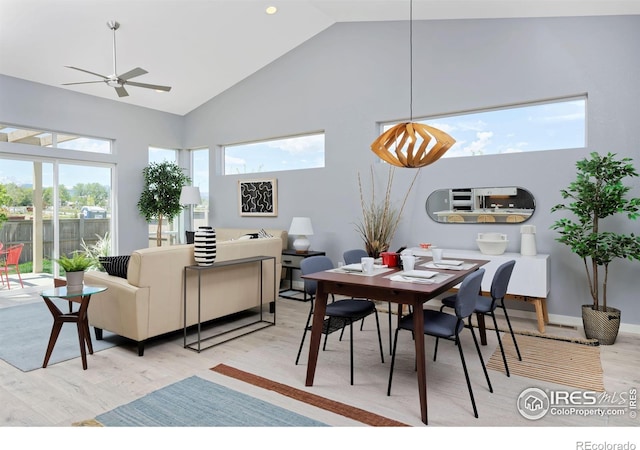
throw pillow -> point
(115, 265)
(264, 234)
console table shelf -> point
(197, 343)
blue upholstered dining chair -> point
(487, 306)
(339, 313)
(448, 326)
(354, 256)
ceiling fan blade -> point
(86, 71)
(122, 92)
(150, 86)
(132, 73)
(83, 82)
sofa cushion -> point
(115, 265)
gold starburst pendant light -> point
(412, 144)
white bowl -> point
(492, 246)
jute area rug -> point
(557, 361)
(342, 409)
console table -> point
(291, 261)
(530, 280)
(197, 344)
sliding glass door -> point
(54, 208)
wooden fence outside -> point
(72, 233)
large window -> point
(290, 153)
(157, 155)
(42, 138)
(549, 125)
(55, 208)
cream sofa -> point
(149, 302)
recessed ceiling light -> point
(271, 10)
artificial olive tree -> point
(160, 198)
(598, 193)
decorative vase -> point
(601, 325)
(75, 281)
(204, 250)
(528, 240)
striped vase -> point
(204, 250)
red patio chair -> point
(12, 258)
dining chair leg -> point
(504, 357)
(304, 335)
(379, 336)
(390, 325)
(435, 350)
(393, 361)
(466, 376)
(513, 336)
(351, 348)
(484, 367)
(326, 335)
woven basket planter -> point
(601, 325)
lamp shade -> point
(190, 195)
(301, 228)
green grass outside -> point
(47, 267)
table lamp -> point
(189, 196)
(301, 228)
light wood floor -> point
(63, 393)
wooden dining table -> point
(379, 286)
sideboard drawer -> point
(292, 261)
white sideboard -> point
(530, 280)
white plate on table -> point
(418, 274)
(432, 265)
(357, 267)
(449, 262)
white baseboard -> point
(569, 321)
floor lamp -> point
(190, 196)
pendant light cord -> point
(410, 60)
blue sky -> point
(545, 126)
(552, 125)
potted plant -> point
(380, 219)
(160, 197)
(597, 193)
(74, 268)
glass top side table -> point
(78, 317)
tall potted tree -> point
(597, 193)
(160, 198)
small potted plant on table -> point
(74, 267)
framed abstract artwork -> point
(258, 197)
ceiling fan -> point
(116, 81)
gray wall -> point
(354, 75)
(133, 128)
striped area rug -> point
(196, 402)
(342, 409)
(555, 361)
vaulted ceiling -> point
(202, 47)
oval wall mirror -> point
(481, 205)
